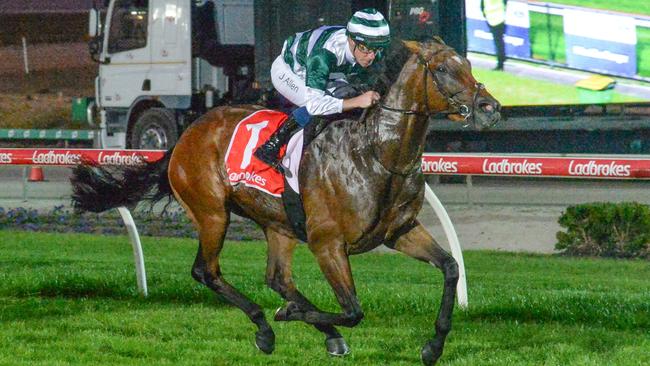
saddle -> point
(244, 168)
(290, 197)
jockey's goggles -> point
(368, 50)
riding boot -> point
(268, 152)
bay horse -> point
(361, 185)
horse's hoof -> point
(265, 341)
(282, 314)
(429, 354)
(337, 347)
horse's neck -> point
(399, 138)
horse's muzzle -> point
(487, 112)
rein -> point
(461, 109)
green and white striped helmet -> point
(369, 27)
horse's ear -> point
(413, 46)
(439, 40)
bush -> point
(619, 230)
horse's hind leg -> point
(279, 278)
(206, 269)
(419, 244)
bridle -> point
(456, 107)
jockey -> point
(310, 59)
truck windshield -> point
(128, 28)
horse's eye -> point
(441, 68)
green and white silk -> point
(369, 27)
(314, 57)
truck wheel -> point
(154, 129)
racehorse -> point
(361, 185)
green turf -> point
(626, 6)
(72, 300)
(511, 89)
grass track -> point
(511, 89)
(71, 299)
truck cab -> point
(163, 63)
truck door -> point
(127, 56)
(171, 44)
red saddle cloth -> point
(242, 166)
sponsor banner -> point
(600, 42)
(64, 157)
(509, 165)
(536, 166)
(516, 38)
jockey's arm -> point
(319, 103)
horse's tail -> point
(97, 189)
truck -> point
(164, 63)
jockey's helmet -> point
(369, 27)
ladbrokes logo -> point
(247, 176)
(5, 158)
(117, 159)
(594, 169)
(506, 167)
(440, 166)
(55, 159)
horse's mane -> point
(385, 73)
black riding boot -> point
(268, 152)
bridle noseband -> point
(457, 107)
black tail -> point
(97, 189)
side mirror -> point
(95, 32)
(93, 23)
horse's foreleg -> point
(419, 244)
(279, 278)
(206, 269)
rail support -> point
(454, 244)
(138, 257)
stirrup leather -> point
(268, 152)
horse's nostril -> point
(487, 107)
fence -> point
(456, 164)
(537, 165)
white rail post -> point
(25, 55)
(454, 244)
(138, 257)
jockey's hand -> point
(364, 100)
